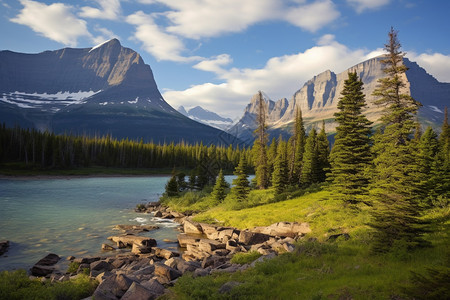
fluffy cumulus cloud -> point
(47, 19)
(215, 64)
(109, 10)
(313, 16)
(280, 77)
(362, 5)
(161, 45)
(437, 64)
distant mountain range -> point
(319, 96)
(207, 117)
(107, 89)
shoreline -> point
(68, 177)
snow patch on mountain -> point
(207, 117)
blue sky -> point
(218, 53)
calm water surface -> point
(73, 216)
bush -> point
(73, 267)
(245, 258)
(17, 285)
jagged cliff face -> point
(319, 96)
(107, 89)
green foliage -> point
(323, 153)
(172, 189)
(241, 185)
(397, 209)
(298, 149)
(245, 258)
(351, 155)
(280, 175)
(73, 267)
(434, 285)
(219, 191)
(17, 285)
(310, 168)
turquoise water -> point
(73, 216)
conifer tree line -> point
(47, 150)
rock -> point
(209, 246)
(106, 247)
(98, 267)
(154, 286)
(213, 261)
(164, 253)
(231, 245)
(263, 258)
(4, 245)
(177, 215)
(158, 214)
(191, 227)
(250, 238)
(102, 276)
(201, 272)
(44, 266)
(86, 260)
(144, 271)
(129, 240)
(173, 262)
(106, 290)
(185, 239)
(226, 233)
(188, 266)
(70, 258)
(166, 273)
(284, 229)
(40, 271)
(134, 229)
(139, 292)
(140, 249)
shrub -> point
(245, 258)
(73, 267)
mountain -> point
(207, 117)
(319, 96)
(107, 89)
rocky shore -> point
(146, 271)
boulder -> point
(4, 245)
(129, 240)
(191, 227)
(140, 249)
(135, 228)
(209, 246)
(106, 247)
(158, 214)
(99, 267)
(251, 238)
(86, 260)
(188, 266)
(164, 253)
(112, 287)
(285, 229)
(213, 261)
(138, 292)
(44, 266)
(154, 286)
(166, 273)
(185, 239)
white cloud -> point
(161, 45)
(362, 5)
(105, 35)
(280, 77)
(214, 65)
(55, 21)
(109, 9)
(313, 16)
(436, 64)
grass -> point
(17, 285)
(245, 258)
(323, 269)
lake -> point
(73, 216)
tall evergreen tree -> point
(260, 146)
(351, 153)
(310, 172)
(280, 176)
(397, 210)
(241, 185)
(299, 140)
(271, 155)
(323, 154)
(219, 190)
(172, 187)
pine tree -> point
(351, 153)
(397, 210)
(260, 147)
(299, 140)
(241, 185)
(172, 187)
(280, 177)
(271, 155)
(219, 190)
(323, 153)
(310, 172)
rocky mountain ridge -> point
(207, 117)
(319, 96)
(106, 89)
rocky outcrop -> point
(44, 266)
(4, 245)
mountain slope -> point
(107, 89)
(319, 96)
(207, 117)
